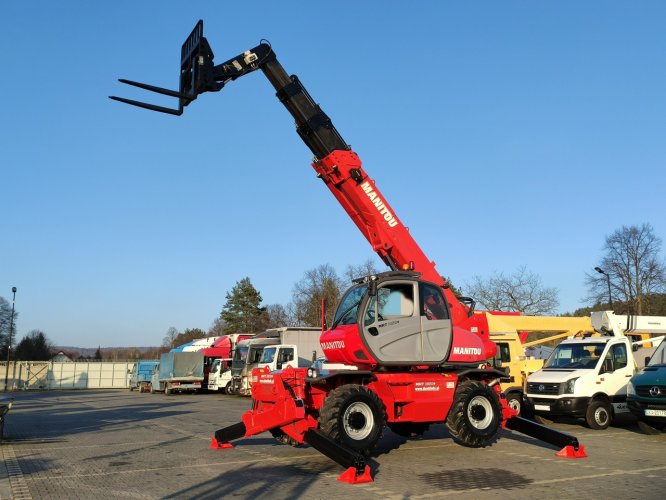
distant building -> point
(61, 357)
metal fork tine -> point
(145, 105)
(159, 90)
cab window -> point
(392, 301)
(619, 356)
(433, 305)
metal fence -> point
(48, 375)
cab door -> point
(436, 327)
(614, 374)
(392, 325)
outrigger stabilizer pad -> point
(351, 476)
(216, 445)
(571, 452)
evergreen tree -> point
(242, 313)
(34, 347)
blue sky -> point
(503, 134)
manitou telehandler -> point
(403, 350)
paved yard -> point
(121, 444)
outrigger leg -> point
(357, 471)
(570, 446)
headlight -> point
(312, 373)
(570, 385)
(631, 391)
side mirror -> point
(372, 288)
(647, 359)
(279, 365)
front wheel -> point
(475, 415)
(354, 416)
(598, 415)
(228, 388)
(514, 401)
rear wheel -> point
(475, 416)
(598, 415)
(354, 416)
(167, 390)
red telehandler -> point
(403, 351)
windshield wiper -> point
(344, 314)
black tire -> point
(354, 416)
(650, 428)
(228, 388)
(409, 429)
(475, 415)
(598, 415)
(515, 401)
(167, 390)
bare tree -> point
(217, 328)
(365, 269)
(170, 337)
(633, 266)
(279, 315)
(320, 282)
(5, 320)
(522, 292)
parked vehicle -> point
(519, 356)
(217, 361)
(196, 345)
(587, 377)
(139, 374)
(276, 349)
(646, 393)
(180, 372)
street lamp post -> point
(610, 298)
(11, 331)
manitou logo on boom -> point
(377, 202)
(467, 351)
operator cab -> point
(391, 318)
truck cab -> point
(583, 377)
(247, 357)
(140, 373)
(646, 393)
(219, 376)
